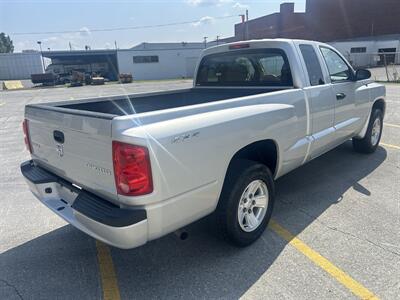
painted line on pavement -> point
(390, 146)
(391, 125)
(109, 281)
(342, 277)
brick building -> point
(325, 20)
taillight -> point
(27, 139)
(132, 169)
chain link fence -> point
(384, 66)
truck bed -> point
(141, 103)
(86, 125)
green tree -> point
(6, 44)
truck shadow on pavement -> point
(63, 262)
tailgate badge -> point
(60, 150)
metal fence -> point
(384, 66)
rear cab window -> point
(258, 67)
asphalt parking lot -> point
(335, 233)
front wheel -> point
(246, 202)
(370, 142)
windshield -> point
(264, 67)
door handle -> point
(58, 136)
(340, 96)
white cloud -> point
(77, 39)
(203, 21)
(84, 31)
(239, 5)
(51, 39)
(207, 2)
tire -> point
(372, 137)
(241, 174)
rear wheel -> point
(370, 142)
(246, 202)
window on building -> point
(358, 50)
(267, 67)
(313, 66)
(337, 67)
(145, 59)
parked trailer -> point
(16, 66)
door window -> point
(313, 66)
(337, 67)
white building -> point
(146, 61)
(369, 51)
(20, 65)
(160, 60)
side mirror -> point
(362, 74)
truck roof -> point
(278, 41)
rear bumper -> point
(122, 228)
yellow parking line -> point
(390, 146)
(109, 280)
(355, 287)
(391, 125)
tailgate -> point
(75, 147)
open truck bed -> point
(83, 154)
(109, 107)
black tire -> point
(365, 144)
(240, 174)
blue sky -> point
(84, 16)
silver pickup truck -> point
(129, 169)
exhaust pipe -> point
(181, 234)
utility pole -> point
(205, 41)
(115, 43)
(70, 46)
(243, 27)
(41, 54)
(247, 24)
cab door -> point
(343, 88)
(320, 100)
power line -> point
(122, 28)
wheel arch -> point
(265, 152)
(379, 104)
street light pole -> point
(41, 54)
